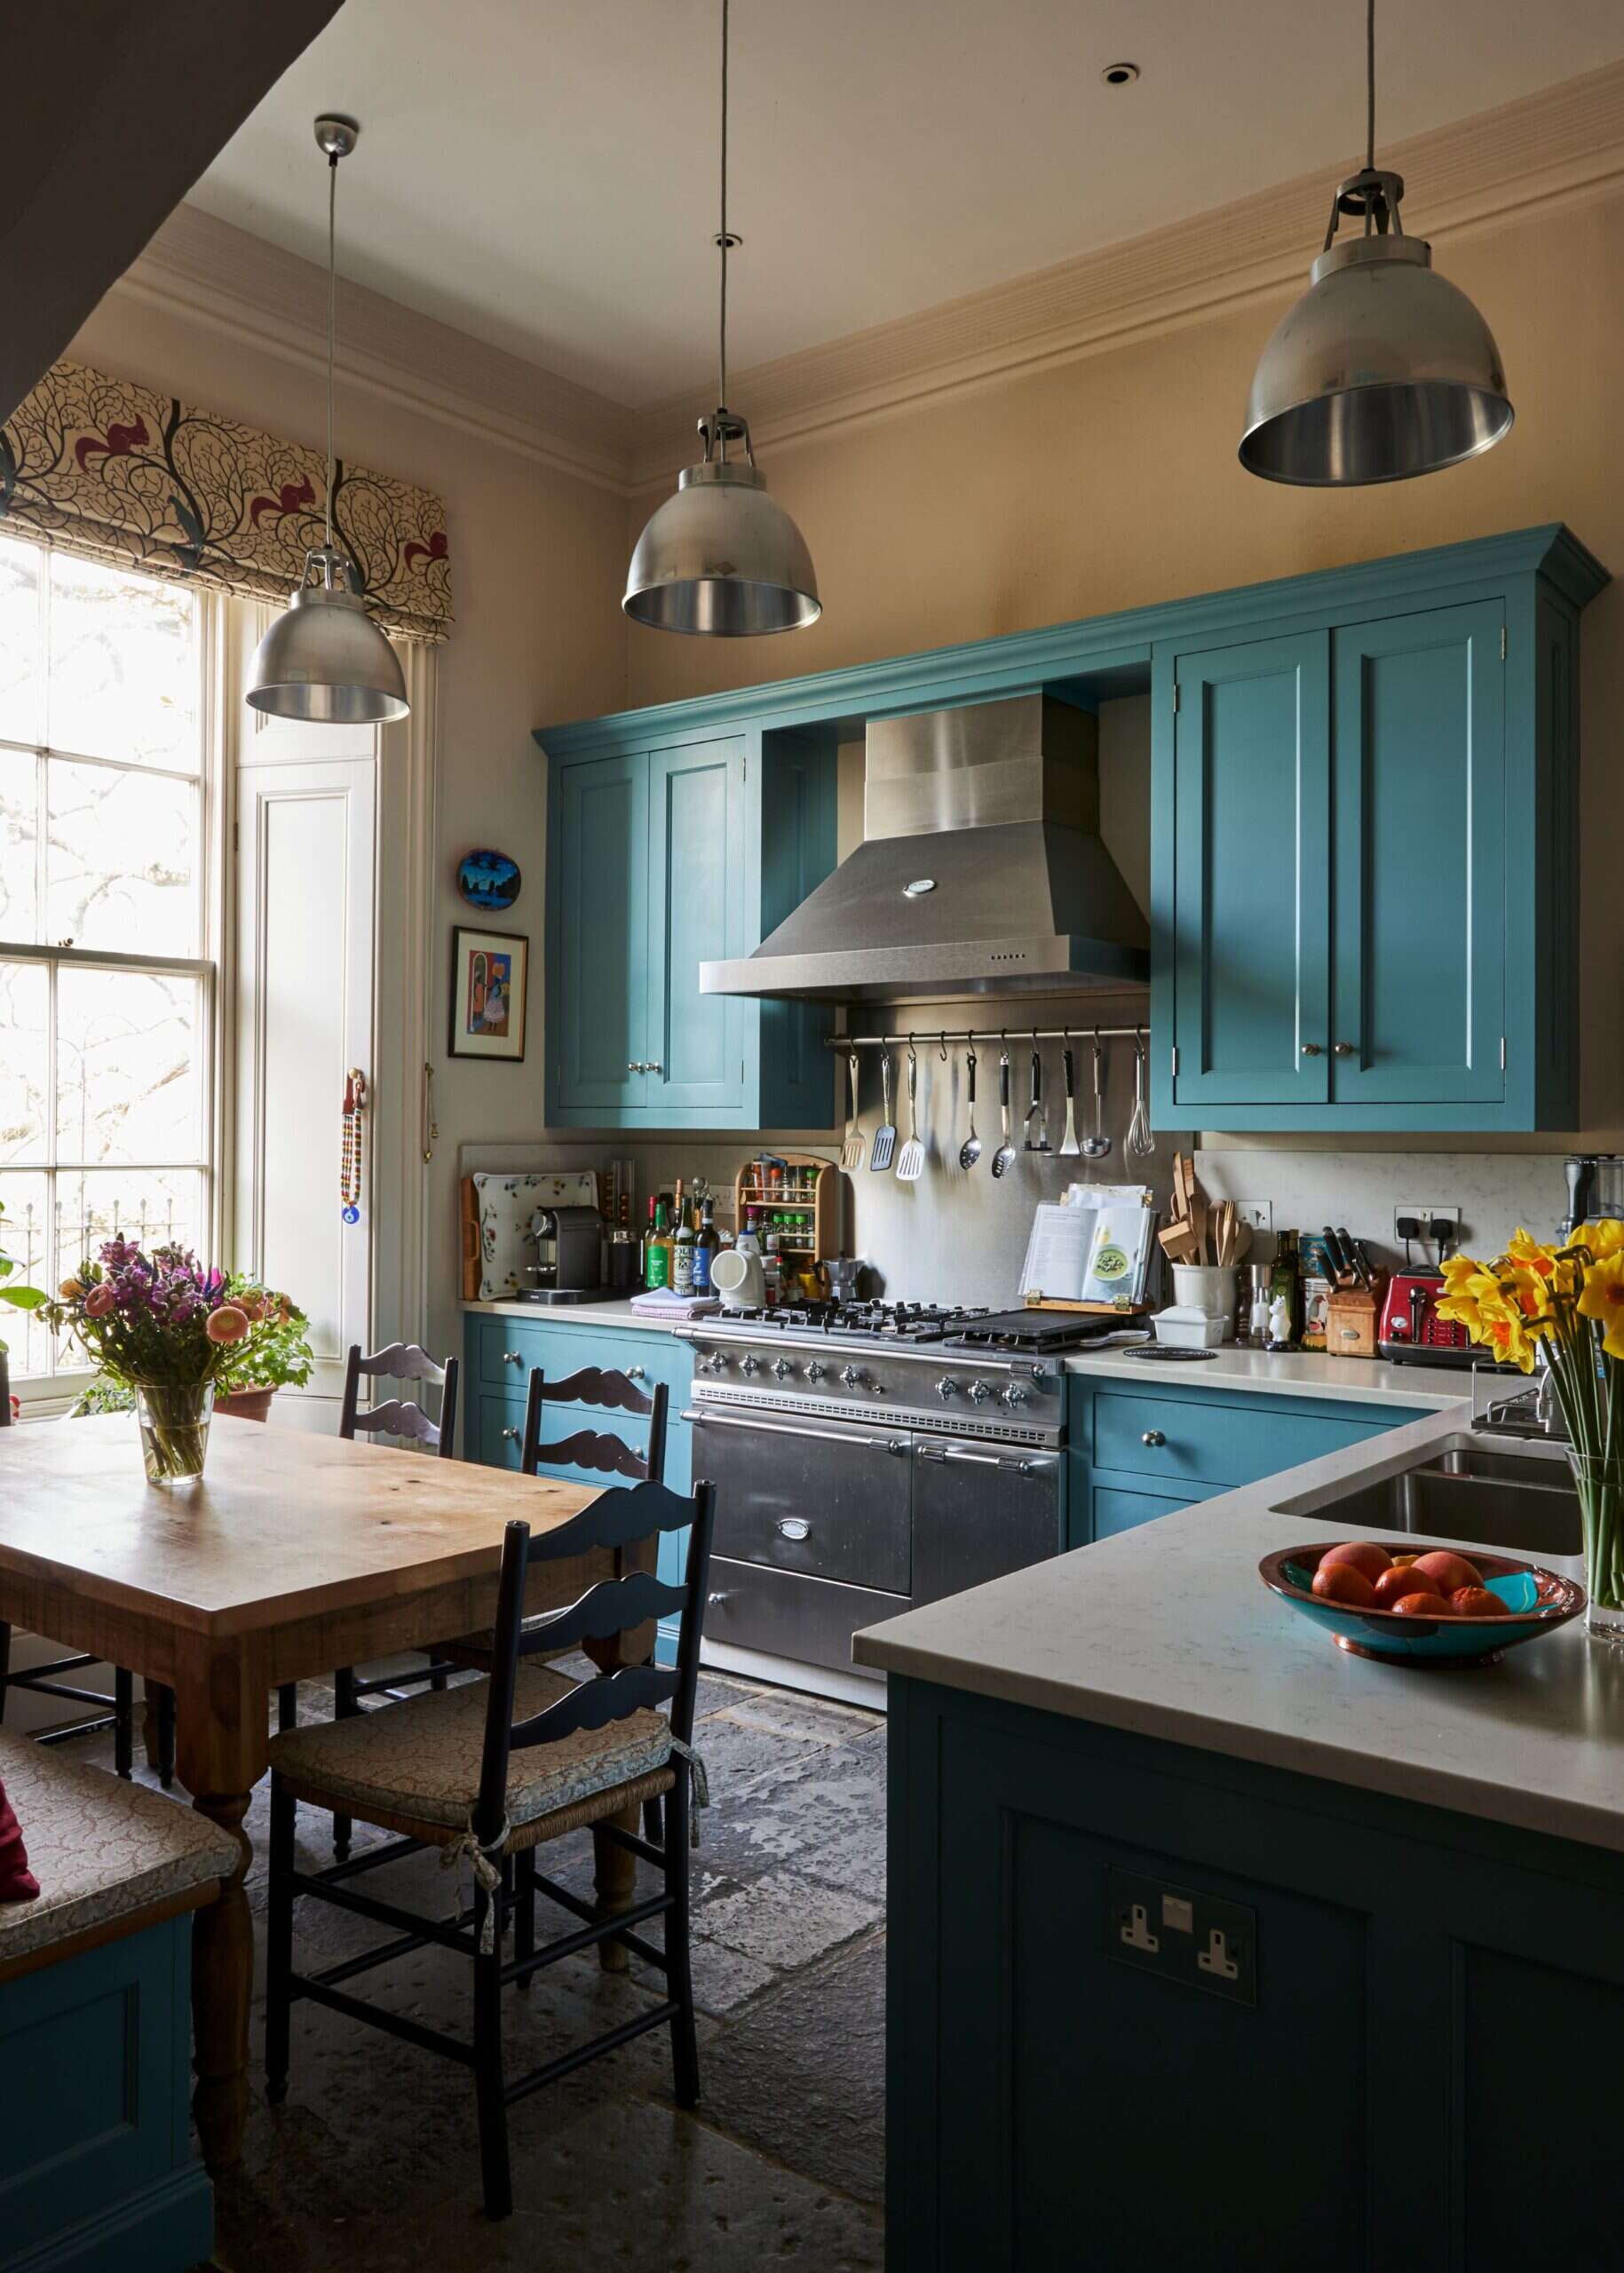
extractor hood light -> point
(1383, 368)
(720, 558)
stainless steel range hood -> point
(982, 871)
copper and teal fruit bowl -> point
(1537, 1602)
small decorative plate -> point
(488, 880)
(1537, 1602)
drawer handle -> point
(512, 1357)
(634, 1373)
(794, 1526)
(509, 1436)
(726, 1596)
(1152, 1437)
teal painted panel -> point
(698, 886)
(1219, 1444)
(599, 922)
(560, 1349)
(1251, 873)
(1115, 1509)
(798, 849)
(1420, 970)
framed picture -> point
(489, 975)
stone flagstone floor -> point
(372, 2161)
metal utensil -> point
(885, 1135)
(1005, 1153)
(911, 1161)
(970, 1150)
(1097, 1146)
(852, 1150)
(1140, 1142)
(1069, 1146)
(1041, 1144)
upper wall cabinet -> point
(661, 858)
(1365, 862)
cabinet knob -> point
(634, 1372)
(653, 1066)
(1152, 1437)
(1310, 1050)
(794, 1527)
(509, 1436)
(636, 1066)
(1344, 1049)
(512, 1358)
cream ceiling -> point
(541, 173)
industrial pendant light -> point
(325, 660)
(720, 558)
(1382, 370)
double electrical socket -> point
(1426, 1215)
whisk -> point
(1140, 1141)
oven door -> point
(980, 1511)
(822, 1501)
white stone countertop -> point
(615, 1312)
(1166, 1630)
(1350, 1380)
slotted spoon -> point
(885, 1135)
(911, 1160)
(852, 1150)
(970, 1150)
(1005, 1153)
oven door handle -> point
(1019, 1463)
(702, 1420)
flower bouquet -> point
(164, 1328)
(1562, 1308)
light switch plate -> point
(1258, 1214)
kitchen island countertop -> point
(1166, 1630)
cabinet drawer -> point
(750, 1607)
(496, 1437)
(1114, 1510)
(1212, 1444)
(509, 1347)
(825, 1503)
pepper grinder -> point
(1256, 1290)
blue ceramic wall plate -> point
(488, 880)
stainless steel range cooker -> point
(869, 1458)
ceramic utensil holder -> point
(1209, 1287)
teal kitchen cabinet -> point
(499, 1353)
(1136, 1454)
(1364, 862)
(661, 858)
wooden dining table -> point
(291, 1555)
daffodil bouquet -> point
(1562, 1308)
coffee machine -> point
(568, 1266)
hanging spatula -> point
(911, 1160)
(852, 1150)
(885, 1135)
(1070, 1145)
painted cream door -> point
(306, 829)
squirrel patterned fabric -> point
(99, 1847)
(18, 1882)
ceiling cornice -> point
(1562, 143)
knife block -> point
(1351, 1319)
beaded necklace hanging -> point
(349, 1150)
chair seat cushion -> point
(419, 1760)
(100, 1848)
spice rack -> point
(815, 1194)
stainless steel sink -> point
(1524, 1507)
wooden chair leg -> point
(279, 1944)
(524, 1897)
(166, 1736)
(346, 1706)
(494, 2166)
(123, 1722)
(287, 1708)
(678, 1977)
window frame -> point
(42, 1396)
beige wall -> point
(1112, 481)
(538, 562)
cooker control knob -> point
(1013, 1397)
(715, 1363)
(851, 1375)
(978, 1392)
(748, 1365)
(947, 1387)
(782, 1369)
(815, 1372)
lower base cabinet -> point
(1414, 2069)
(500, 1353)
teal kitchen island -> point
(1214, 1947)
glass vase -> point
(1600, 1485)
(173, 1418)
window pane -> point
(121, 860)
(150, 1207)
(128, 1075)
(19, 844)
(25, 995)
(123, 670)
(20, 644)
(24, 1238)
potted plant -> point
(18, 1297)
(1562, 1308)
(277, 1357)
(165, 1327)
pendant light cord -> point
(332, 309)
(1370, 85)
(722, 343)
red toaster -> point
(1411, 1332)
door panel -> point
(1420, 858)
(1251, 873)
(602, 882)
(697, 885)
